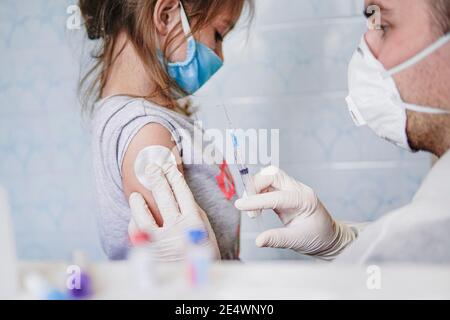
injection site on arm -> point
(159, 140)
(160, 199)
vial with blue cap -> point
(199, 258)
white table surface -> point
(269, 280)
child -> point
(152, 53)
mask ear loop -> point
(419, 57)
(421, 109)
(185, 22)
(414, 60)
(191, 44)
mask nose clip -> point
(361, 52)
(355, 113)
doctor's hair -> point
(105, 20)
(441, 12)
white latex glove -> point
(309, 228)
(179, 210)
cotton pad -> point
(153, 155)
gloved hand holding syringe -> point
(247, 181)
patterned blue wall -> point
(288, 73)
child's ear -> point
(166, 15)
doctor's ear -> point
(166, 15)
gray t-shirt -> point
(115, 123)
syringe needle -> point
(230, 124)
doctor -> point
(399, 86)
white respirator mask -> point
(374, 98)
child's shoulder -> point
(118, 120)
(116, 108)
(124, 109)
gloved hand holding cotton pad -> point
(152, 156)
(156, 169)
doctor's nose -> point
(373, 39)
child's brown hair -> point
(106, 19)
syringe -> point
(247, 181)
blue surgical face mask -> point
(200, 65)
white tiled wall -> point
(288, 72)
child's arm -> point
(151, 135)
